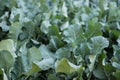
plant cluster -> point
(59, 40)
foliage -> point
(59, 40)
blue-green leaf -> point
(98, 44)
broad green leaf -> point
(99, 73)
(44, 26)
(15, 30)
(28, 27)
(93, 29)
(45, 64)
(7, 60)
(50, 30)
(84, 17)
(55, 43)
(13, 3)
(63, 53)
(17, 71)
(115, 33)
(64, 66)
(54, 8)
(23, 57)
(34, 54)
(46, 54)
(51, 35)
(73, 35)
(116, 65)
(54, 31)
(103, 4)
(112, 8)
(99, 43)
(84, 48)
(8, 45)
(33, 69)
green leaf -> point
(64, 10)
(44, 26)
(115, 33)
(63, 53)
(23, 57)
(98, 43)
(73, 35)
(112, 8)
(57, 39)
(116, 65)
(64, 66)
(55, 43)
(45, 64)
(117, 51)
(84, 17)
(8, 45)
(46, 53)
(92, 59)
(93, 29)
(84, 50)
(7, 61)
(15, 30)
(33, 69)
(54, 31)
(34, 54)
(103, 4)
(50, 30)
(99, 73)
(13, 3)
